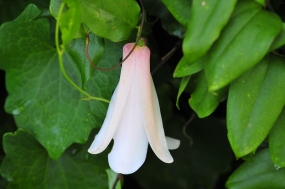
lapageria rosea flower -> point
(133, 118)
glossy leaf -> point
(183, 85)
(180, 9)
(259, 174)
(40, 98)
(254, 104)
(239, 39)
(76, 49)
(70, 21)
(279, 40)
(27, 165)
(277, 141)
(113, 20)
(183, 68)
(207, 19)
(202, 101)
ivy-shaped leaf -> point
(28, 165)
(254, 104)
(236, 51)
(40, 98)
(76, 49)
(113, 20)
(259, 174)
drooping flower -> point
(133, 118)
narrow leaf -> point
(202, 101)
(259, 174)
(277, 141)
(279, 40)
(236, 51)
(180, 9)
(207, 19)
(183, 84)
(183, 68)
(254, 104)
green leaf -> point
(76, 49)
(112, 176)
(183, 68)
(254, 104)
(169, 23)
(69, 21)
(207, 19)
(259, 174)
(27, 165)
(277, 141)
(192, 168)
(247, 27)
(261, 2)
(40, 98)
(180, 9)
(113, 20)
(54, 7)
(279, 40)
(10, 9)
(183, 84)
(202, 101)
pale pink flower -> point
(133, 119)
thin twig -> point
(185, 126)
(136, 43)
(167, 56)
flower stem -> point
(60, 50)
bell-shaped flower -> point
(133, 119)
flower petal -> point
(172, 143)
(116, 106)
(130, 140)
(150, 107)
